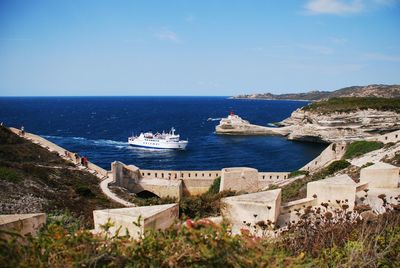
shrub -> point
(359, 148)
(214, 188)
(205, 205)
(297, 173)
(345, 243)
(152, 201)
(84, 190)
(10, 175)
(367, 164)
(389, 144)
(349, 104)
(334, 167)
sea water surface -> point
(98, 127)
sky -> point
(208, 47)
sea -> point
(98, 128)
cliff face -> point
(317, 127)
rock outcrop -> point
(333, 127)
(235, 125)
(305, 125)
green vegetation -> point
(349, 104)
(389, 144)
(293, 191)
(205, 205)
(193, 207)
(367, 164)
(84, 190)
(298, 173)
(343, 243)
(10, 175)
(152, 201)
(359, 148)
(214, 188)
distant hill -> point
(381, 91)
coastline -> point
(301, 100)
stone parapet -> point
(135, 221)
(340, 188)
(380, 175)
(23, 224)
(249, 210)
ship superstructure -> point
(162, 140)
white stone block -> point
(245, 211)
(24, 224)
(149, 217)
(372, 198)
(329, 190)
(380, 175)
(239, 179)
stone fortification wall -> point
(175, 174)
(273, 177)
(331, 194)
(334, 151)
(386, 138)
(249, 179)
(125, 176)
(194, 182)
(130, 177)
(298, 204)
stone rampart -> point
(23, 224)
(130, 177)
(386, 138)
(334, 151)
(135, 221)
(298, 204)
(183, 175)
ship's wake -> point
(87, 142)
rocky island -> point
(235, 125)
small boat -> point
(162, 140)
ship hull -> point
(181, 145)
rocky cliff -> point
(333, 120)
(340, 126)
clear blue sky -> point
(171, 47)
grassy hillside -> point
(353, 104)
(34, 180)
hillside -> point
(349, 104)
(32, 179)
(383, 91)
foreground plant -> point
(341, 243)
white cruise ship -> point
(159, 140)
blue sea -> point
(98, 127)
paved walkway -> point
(99, 172)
